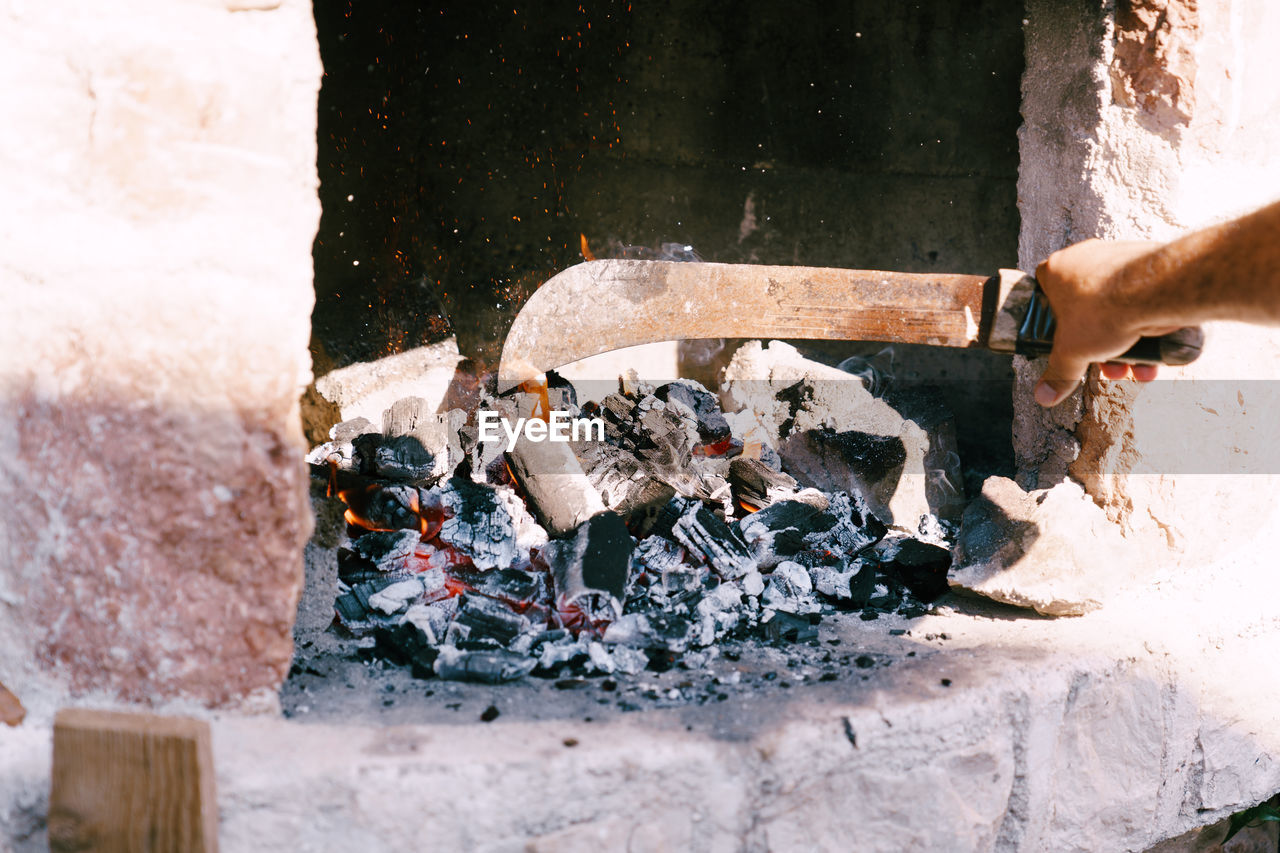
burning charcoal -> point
(790, 589)
(667, 439)
(753, 584)
(432, 619)
(529, 534)
(790, 628)
(595, 562)
(922, 568)
(394, 597)
(855, 528)
(514, 586)
(758, 485)
(655, 556)
(386, 550)
(681, 579)
(378, 507)
(484, 667)
(707, 537)
(712, 427)
(872, 465)
(628, 660)
(356, 613)
(485, 617)
(601, 660)
(479, 523)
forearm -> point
(1225, 272)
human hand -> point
(1097, 319)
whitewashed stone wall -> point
(158, 163)
(1144, 122)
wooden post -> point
(132, 782)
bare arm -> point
(1108, 294)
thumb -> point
(1060, 378)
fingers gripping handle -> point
(1025, 324)
(1035, 337)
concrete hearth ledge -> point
(1112, 731)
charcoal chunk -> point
(922, 568)
(595, 561)
(712, 426)
(854, 528)
(386, 550)
(778, 531)
(486, 617)
(757, 484)
(787, 627)
(656, 630)
(478, 523)
(484, 667)
(707, 537)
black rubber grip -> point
(1035, 338)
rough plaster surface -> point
(1142, 124)
(1113, 731)
(156, 235)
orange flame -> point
(542, 408)
(586, 251)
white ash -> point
(790, 589)
(397, 596)
(432, 619)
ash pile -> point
(799, 493)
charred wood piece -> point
(712, 426)
(407, 645)
(852, 530)
(625, 484)
(790, 589)
(778, 532)
(400, 457)
(922, 568)
(757, 485)
(484, 667)
(378, 507)
(595, 562)
(785, 627)
(657, 629)
(386, 550)
(485, 617)
(478, 523)
(706, 536)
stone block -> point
(898, 451)
(1052, 550)
(157, 278)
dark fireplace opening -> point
(468, 152)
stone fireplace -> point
(176, 269)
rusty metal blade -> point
(600, 306)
